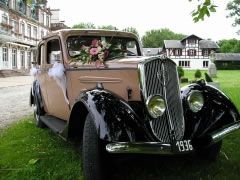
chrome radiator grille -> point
(159, 76)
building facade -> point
(191, 52)
(22, 24)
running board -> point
(57, 125)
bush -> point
(198, 74)
(180, 72)
(208, 78)
(184, 80)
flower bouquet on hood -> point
(97, 53)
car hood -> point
(128, 62)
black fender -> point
(114, 119)
(218, 111)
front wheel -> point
(91, 151)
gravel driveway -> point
(14, 102)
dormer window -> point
(191, 41)
(22, 6)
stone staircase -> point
(11, 73)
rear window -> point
(106, 48)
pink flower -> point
(94, 51)
(95, 43)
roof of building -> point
(227, 56)
(193, 35)
(204, 44)
(173, 44)
(208, 44)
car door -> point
(57, 103)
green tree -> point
(234, 11)
(132, 30)
(84, 26)
(203, 9)
(206, 7)
(109, 27)
(155, 38)
(229, 46)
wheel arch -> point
(77, 120)
(114, 119)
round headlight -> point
(156, 106)
(195, 101)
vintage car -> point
(97, 87)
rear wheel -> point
(91, 151)
(210, 153)
(37, 113)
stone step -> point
(11, 73)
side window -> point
(53, 51)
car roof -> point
(97, 32)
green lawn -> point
(27, 152)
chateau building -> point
(22, 24)
(191, 52)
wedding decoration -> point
(33, 72)
(97, 52)
(57, 72)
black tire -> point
(210, 153)
(91, 151)
(37, 113)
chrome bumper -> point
(220, 134)
(163, 148)
(142, 148)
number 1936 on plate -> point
(184, 145)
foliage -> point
(234, 8)
(180, 72)
(132, 30)
(109, 27)
(206, 7)
(207, 77)
(198, 74)
(203, 9)
(229, 46)
(155, 38)
(84, 26)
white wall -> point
(194, 63)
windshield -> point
(87, 48)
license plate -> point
(184, 146)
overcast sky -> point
(145, 15)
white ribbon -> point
(57, 72)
